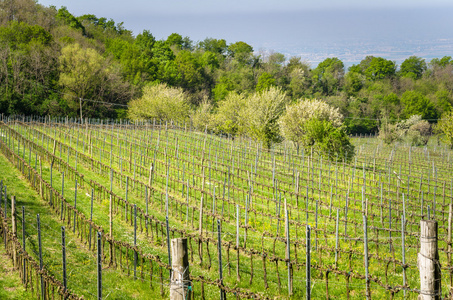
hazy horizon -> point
(393, 32)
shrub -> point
(445, 127)
(414, 131)
(160, 102)
(227, 118)
(327, 140)
(202, 117)
(261, 113)
(292, 122)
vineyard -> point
(260, 223)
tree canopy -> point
(51, 59)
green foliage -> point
(360, 116)
(103, 28)
(202, 117)
(375, 68)
(84, 73)
(261, 113)
(32, 37)
(445, 127)
(265, 81)
(241, 52)
(66, 18)
(180, 43)
(27, 68)
(213, 45)
(441, 62)
(413, 131)
(239, 48)
(292, 122)
(443, 101)
(417, 104)
(413, 67)
(189, 70)
(18, 35)
(160, 102)
(380, 68)
(327, 140)
(136, 66)
(145, 41)
(227, 119)
(354, 82)
(328, 75)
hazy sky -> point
(130, 7)
(288, 26)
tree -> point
(292, 123)
(179, 42)
(265, 81)
(202, 117)
(160, 102)
(416, 103)
(240, 51)
(227, 119)
(443, 101)
(414, 131)
(375, 68)
(85, 74)
(328, 75)
(445, 127)
(239, 48)
(261, 113)
(327, 140)
(65, 17)
(413, 67)
(145, 41)
(380, 68)
(354, 82)
(441, 62)
(28, 68)
(213, 45)
(137, 67)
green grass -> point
(11, 287)
(287, 164)
(81, 263)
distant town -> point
(353, 51)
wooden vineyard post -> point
(14, 227)
(365, 255)
(449, 241)
(288, 254)
(180, 285)
(237, 241)
(99, 266)
(428, 262)
(63, 254)
(308, 264)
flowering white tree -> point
(292, 123)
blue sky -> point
(309, 28)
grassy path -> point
(81, 263)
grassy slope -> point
(10, 282)
(80, 262)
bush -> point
(261, 113)
(227, 118)
(292, 122)
(445, 127)
(414, 131)
(161, 103)
(202, 117)
(327, 140)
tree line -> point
(52, 62)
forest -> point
(54, 63)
